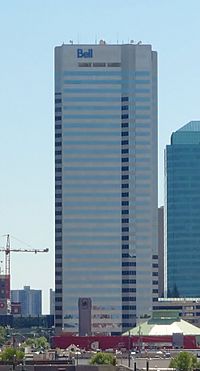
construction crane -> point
(8, 250)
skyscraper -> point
(182, 171)
(30, 299)
(105, 184)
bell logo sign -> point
(84, 54)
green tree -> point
(37, 343)
(3, 335)
(185, 361)
(11, 354)
(103, 359)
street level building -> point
(105, 184)
(182, 238)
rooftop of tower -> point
(187, 134)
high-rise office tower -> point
(105, 184)
(182, 171)
(30, 299)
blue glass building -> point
(182, 171)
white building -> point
(105, 184)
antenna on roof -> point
(71, 42)
(139, 42)
(132, 42)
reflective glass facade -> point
(183, 212)
(105, 184)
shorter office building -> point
(188, 308)
(30, 300)
(52, 301)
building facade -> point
(188, 308)
(161, 251)
(105, 184)
(182, 171)
(30, 300)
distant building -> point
(161, 251)
(182, 171)
(52, 301)
(31, 301)
(188, 309)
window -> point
(155, 282)
(58, 152)
(125, 159)
(128, 264)
(58, 204)
(125, 203)
(58, 265)
(128, 298)
(58, 126)
(124, 142)
(58, 239)
(124, 151)
(59, 170)
(124, 133)
(58, 144)
(58, 230)
(125, 168)
(58, 213)
(125, 247)
(155, 265)
(58, 135)
(58, 307)
(128, 307)
(124, 116)
(128, 289)
(125, 185)
(58, 222)
(127, 281)
(125, 238)
(125, 212)
(125, 194)
(58, 299)
(58, 161)
(85, 64)
(125, 229)
(58, 178)
(155, 256)
(125, 177)
(58, 100)
(114, 64)
(155, 274)
(58, 118)
(124, 108)
(124, 99)
(124, 125)
(99, 64)
(58, 109)
(125, 220)
(58, 273)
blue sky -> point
(29, 31)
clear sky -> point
(29, 31)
